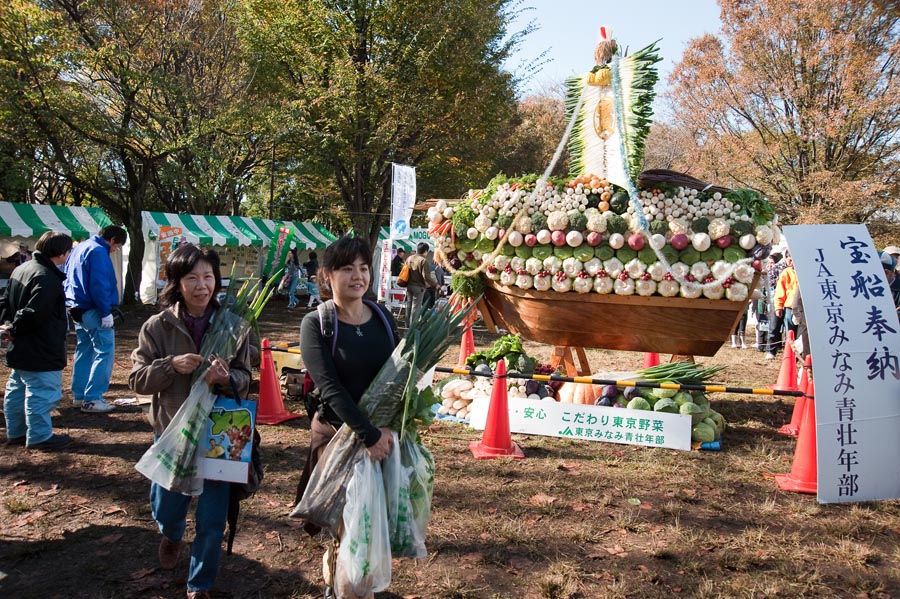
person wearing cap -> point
(22, 256)
(785, 293)
(91, 294)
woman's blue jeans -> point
(30, 397)
(170, 512)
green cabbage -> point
(666, 405)
(604, 252)
(696, 413)
(639, 403)
(703, 433)
(542, 252)
(583, 253)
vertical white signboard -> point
(854, 334)
(403, 198)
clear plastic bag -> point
(323, 500)
(408, 484)
(364, 557)
(171, 462)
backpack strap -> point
(384, 320)
(327, 324)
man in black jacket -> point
(35, 304)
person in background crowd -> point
(760, 307)
(799, 318)
(312, 288)
(343, 374)
(440, 277)
(785, 294)
(311, 266)
(890, 273)
(894, 252)
(22, 256)
(420, 279)
(292, 272)
(738, 338)
(91, 294)
(163, 365)
(774, 266)
(35, 304)
(397, 263)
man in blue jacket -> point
(91, 294)
(36, 308)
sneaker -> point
(168, 554)
(770, 356)
(77, 403)
(198, 595)
(53, 443)
(328, 592)
(97, 407)
(15, 441)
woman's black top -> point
(344, 377)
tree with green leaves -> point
(134, 104)
(364, 83)
(798, 99)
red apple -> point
(757, 265)
(558, 238)
(724, 241)
(531, 240)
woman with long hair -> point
(343, 371)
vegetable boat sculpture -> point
(611, 257)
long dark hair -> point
(342, 252)
(181, 262)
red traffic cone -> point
(803, 476)
(271, 405)
(466, 346)
(651, 359)
(793, 428)
(496, 441)
(787, 374)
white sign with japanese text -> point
(591, 423)
(403, 198)
(854, 335)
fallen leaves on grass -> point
(541, 500)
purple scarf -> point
(196, 326)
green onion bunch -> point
(684, 373)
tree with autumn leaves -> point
(800, 100)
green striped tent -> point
(33, 220)
(218, 230)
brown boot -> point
(168, 553)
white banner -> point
(854, 335)
(403, 198)
(591, 423)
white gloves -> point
(107, 322)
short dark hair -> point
(114, 233)
(422, 248)
(180, 263)
(313, 256)
(401, 251)
(342, 252)
(54, 244)
(776, 257)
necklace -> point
(359, 332)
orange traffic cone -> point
(793, 428)
(466, 346)
(787, 374)
(496, 441)
(271, 405)
(651, 359)
(802, 478)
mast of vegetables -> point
(608, 227)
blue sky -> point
(567, 29)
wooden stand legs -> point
(562, 355)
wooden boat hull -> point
(633, 323)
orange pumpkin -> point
(579, 393)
